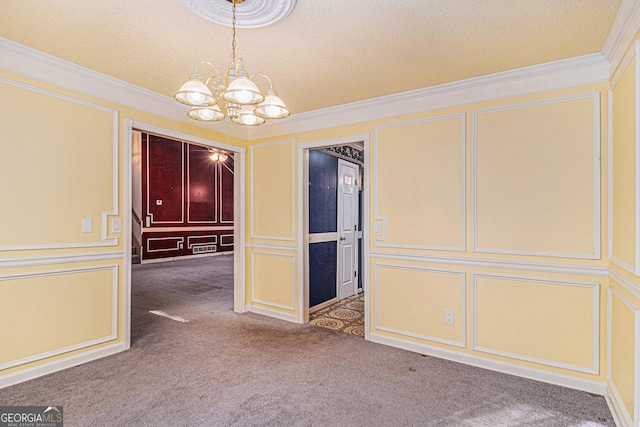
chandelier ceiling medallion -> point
(238, 97)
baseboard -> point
(620, 415)
(322, 305)
(494, 365)
(273, 313)
(178, 258)
(59, 365)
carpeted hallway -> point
(228, 369)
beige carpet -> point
(345, 316)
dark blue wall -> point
(322, 272)
(323, 218)
(323, 192)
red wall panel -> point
(196, 211)
(203, 185)
(226, 192)
(165, 180)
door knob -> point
(342, 238)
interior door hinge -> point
(355, 274)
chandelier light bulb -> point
(249, 119)
(272, 107)
(218, 156)
(243, 91)
(195, 98)
(272, 110)
(206, 114)
(243, 96)
(194, 92)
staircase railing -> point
(136, 232)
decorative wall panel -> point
(623, 360)
(57, 311)
(273, 279)
(411, 301)
(419, 184)
(624, 161)
(60, 171)
(272, 191)
(536, 181)
(508, 308)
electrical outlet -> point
(449, 317)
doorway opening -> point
(182, 198)
(185, 205)
(334, 218)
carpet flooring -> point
(222, 368)
(344, 316)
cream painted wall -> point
(424, 157)
(534, 169)
(623, 180)
(492, 210)
(62, 292)
(623, 322)
(410, 299)
(272, 269)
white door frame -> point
(303, 223)
(238, 214)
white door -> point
(348, 174)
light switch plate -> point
(87, 225)
(376, 228)
(116, 225)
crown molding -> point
(32, 63)
(577, 71)
(623, 31)
(593, 68)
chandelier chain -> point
(233, 34)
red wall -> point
(187, 199)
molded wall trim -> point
(59, 365)
(586, 270)
(272, 313)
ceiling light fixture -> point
(239, 97)
(217, 155)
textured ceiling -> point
(324, 53)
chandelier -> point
(238, 98)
